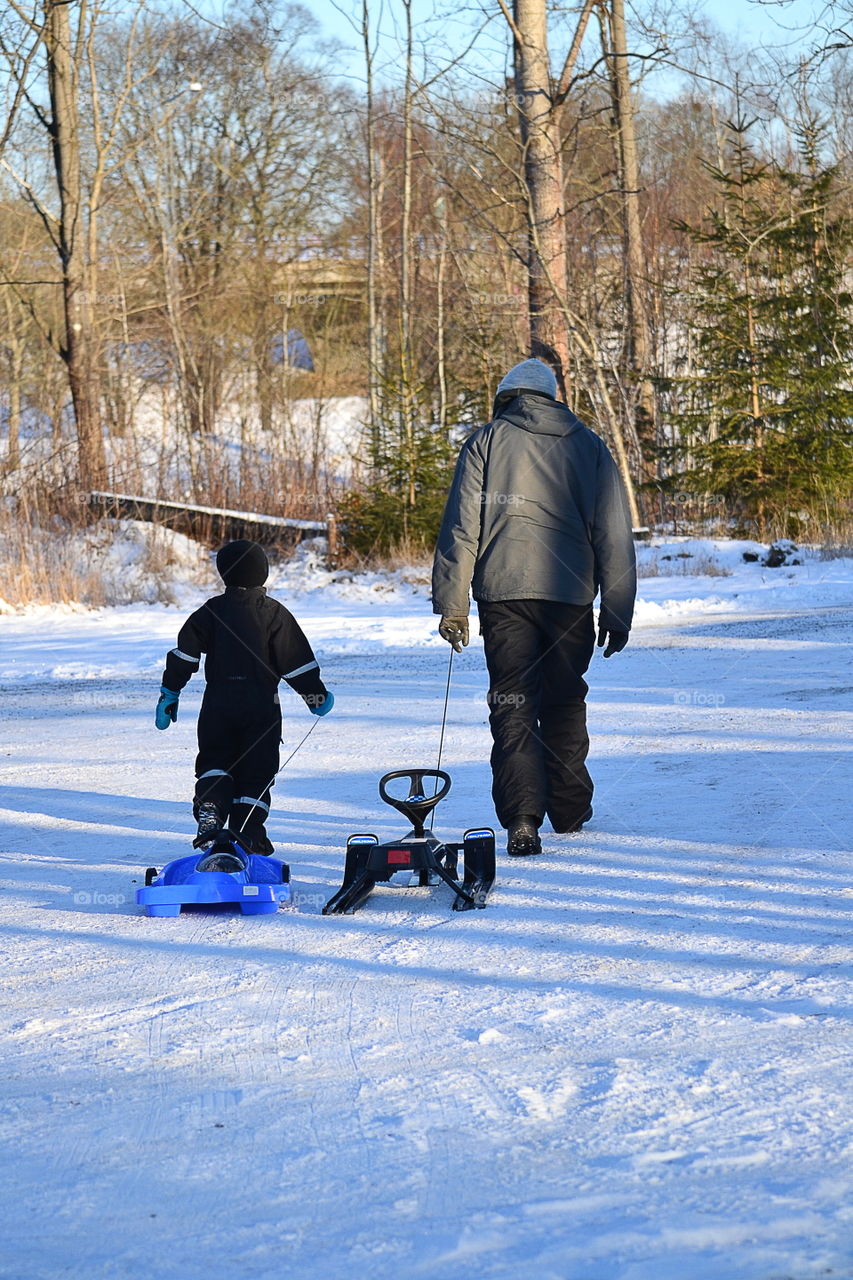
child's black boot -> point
(210, 822)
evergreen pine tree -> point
(409, 467)
(765, 419)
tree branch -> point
(516, 34)
(566, 76)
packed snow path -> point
(635, 1064)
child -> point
(250, 642)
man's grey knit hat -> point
(530, 375)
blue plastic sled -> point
(223, 875)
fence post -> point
(331, 540)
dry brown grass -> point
(62, 561)
(46, 579)
(408, 553)
(681, 567)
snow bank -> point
(687, 576)
(138, 561)
(346, 612)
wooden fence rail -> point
(217, 524)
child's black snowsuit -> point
(250, 642)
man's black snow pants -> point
(239, 731)
(537, 652)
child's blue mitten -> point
(167, 708)
(325, 706)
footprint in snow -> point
(549, 1103)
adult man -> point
(536, 523)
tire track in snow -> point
(330, 1049)
(436, 1104)
(190, 1069)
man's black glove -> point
(454, 631)
(616, 640)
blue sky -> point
(761, 20)
(744, 19)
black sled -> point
(427, 859)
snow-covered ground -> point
(635, 1064)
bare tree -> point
(375, 326)
(232, 197)
(639, 348)
(80, 142)
(539, 102)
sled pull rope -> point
(296, 748)
(444, 716)
(282, 766)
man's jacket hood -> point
(532, 411)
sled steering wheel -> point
(416, 805)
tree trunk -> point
(616, 426)
(440, 316)
(540, 137)
(15, 350)
(16, 369)
(78, 351)
(375, 342)
(407, 406)
(264, 375)
(639, 342)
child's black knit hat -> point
(242, 564)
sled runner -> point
(427, 859)
(222, 874)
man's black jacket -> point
(536, 511)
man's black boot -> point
(523, 837)
(576, 824)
